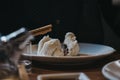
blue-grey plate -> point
(88, 53)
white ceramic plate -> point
(112, 70)
(88, 53)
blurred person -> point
(110, 13)
(81, 17)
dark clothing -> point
(11, 15)
(111, 14)
(79, 16)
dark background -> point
(86, 18)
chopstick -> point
(22, 72)
(37, 31)
(41, 30)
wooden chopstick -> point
(38, 31)
(22, 72)
(41, 30)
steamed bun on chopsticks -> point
(52, 47)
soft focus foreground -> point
(11, 48)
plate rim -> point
(104, 72)
(73, 58)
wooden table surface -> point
(93, 70)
